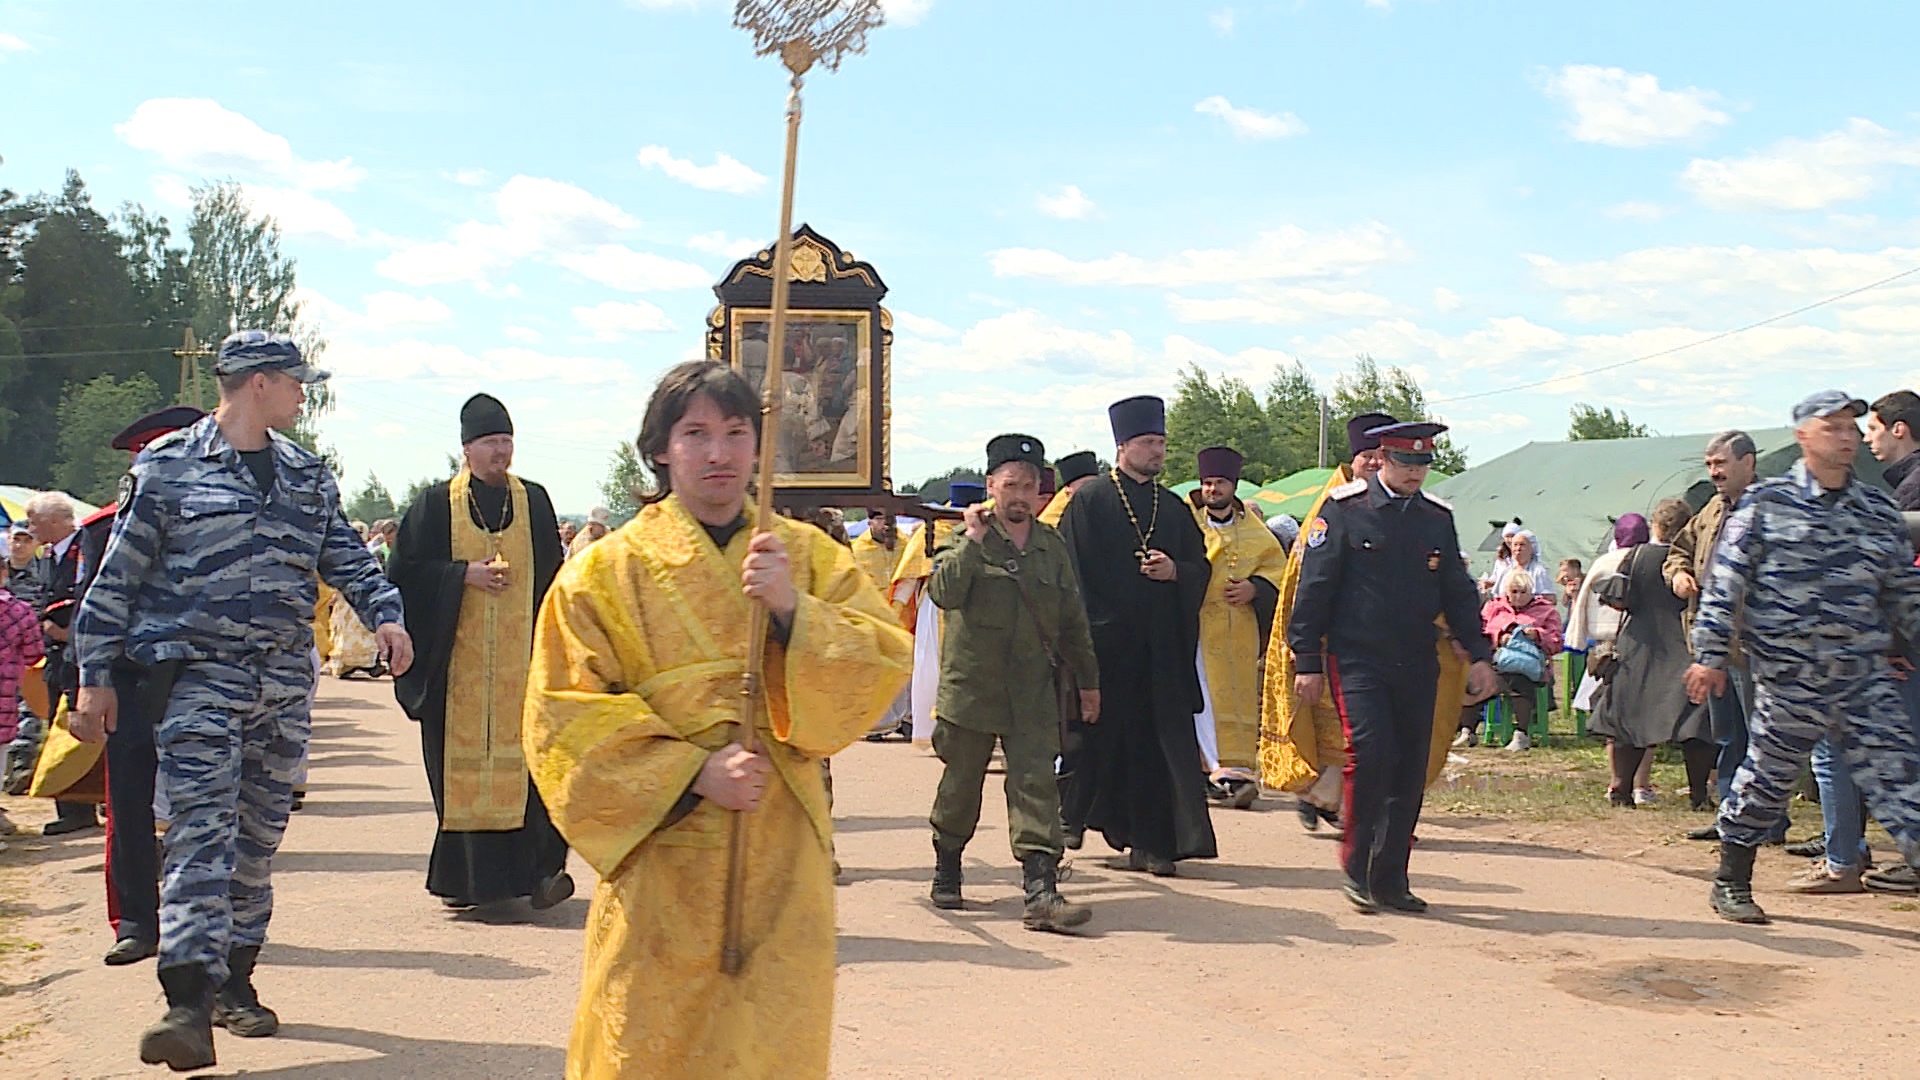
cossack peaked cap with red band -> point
(1409, 443)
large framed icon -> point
(835, 417)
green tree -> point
(90, 416)
(1204, 413)
(625, 478)
(1369, 388)
(371, 503)
(1590, 423)
(1293, 416)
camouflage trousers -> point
(233, 736)
(1862, 712)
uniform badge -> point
(125, 496)
(1433, 560)
(1317, 532)
(1735, 529)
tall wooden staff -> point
(804, 33)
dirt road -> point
(1537, 959)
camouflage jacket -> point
(203, 565)
(1800, 581)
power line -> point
(1722, 335)
(148, 324)
(97, 352)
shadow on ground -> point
(401, 1058)
(448, 965)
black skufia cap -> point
(1077, 465)
(481, 416)
(1004, 448)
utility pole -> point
(1323, 431)
(190, 353)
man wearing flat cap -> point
(474, 557)
(1074, 471)
(1143, 573)
(1817, 619)
(1382, 564)
(1006, 585)
(1303, 748)
(226, 529)
(1235, 620)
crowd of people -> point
(1133, 658)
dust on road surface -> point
(1541, 956)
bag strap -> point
(1046, 643)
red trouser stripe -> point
(1346, 771)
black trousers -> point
(132, 762)
(1387, 711)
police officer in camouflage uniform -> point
(1813, 574)
(996, 681)
(209, 582)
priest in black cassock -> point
(1135, 775)
(473, 559)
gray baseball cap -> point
(258, 350)
(1826, 403)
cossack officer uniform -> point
(1379, 567)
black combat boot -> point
(1733, 885)
(237, 1006)
(1046, 908)
(946, 879)
(183, 1039)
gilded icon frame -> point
(810, 455)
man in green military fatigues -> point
(996, 679)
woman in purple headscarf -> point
(1642, 701)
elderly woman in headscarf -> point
(1594, 629)
(1519, 550)
(1644, 702)
(1285, 528)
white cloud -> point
(905, 12)
(1728, 286)
(382, 312)
(1617, 107)
(524, 334)
(719, 243)
(613, 320)
(1636, 211)
(391, 309)
(468, 177)
(537, 217)
(621, 267)
(413, 359)
(1802, 174)
(11, 44)
(1445, 300)
(300, 213)
(725, 174)
(1251, 123)
(1222, 21)
(1068, 204)
(907, 322)
(1282, 304)
(1278, 254)
(197, 135)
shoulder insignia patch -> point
(1317, 532)
(1437, 501)
(125, 497)
(1347, 490)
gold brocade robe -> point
(638, 656)
(1296, 740)
(875, 559)
(1056, 507)
(1230, 644)
(486, 770)
(912, 569)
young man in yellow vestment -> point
(1235, 620)
(637, 663)
(1303, 748)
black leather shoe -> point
(1361, 900)
(63, 826)
(1815, 848)
(130, 950)
(1705, 832)
(1406, 903)
(551, 891)
(1309, 814)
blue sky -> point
(1069, 201)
